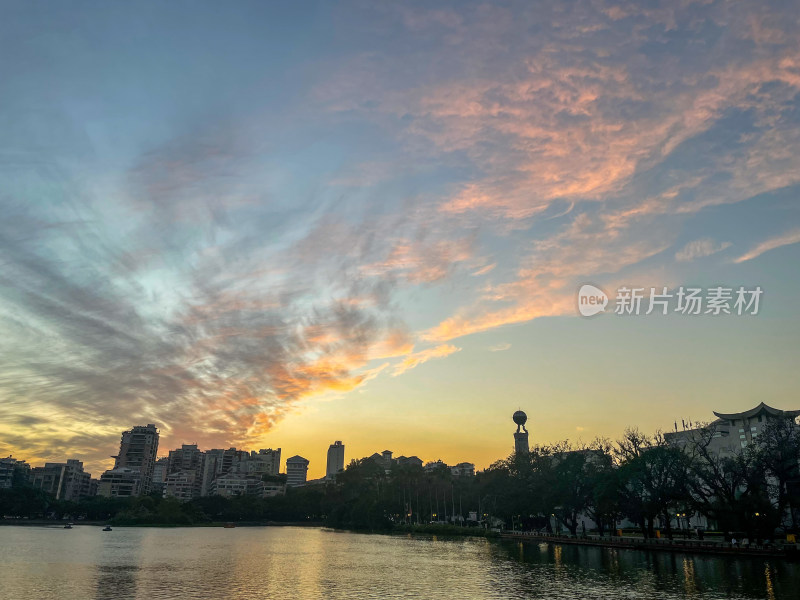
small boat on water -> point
(68, 526)
(107, 528)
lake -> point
(46, 563)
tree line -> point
(646, 479)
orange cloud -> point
(417, 358)
(421, 262)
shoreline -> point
(787, 552)
(221, 524)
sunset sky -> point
(264, 224)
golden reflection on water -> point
(558, 562)
(557, 550)
(770, 585)
(689, 584)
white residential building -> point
(296, 471)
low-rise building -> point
(408, 461)
(120, 483)
(463, 469)
(65, 481)
(434, 465)
(731, 432)
(235, 484)
(273, 488)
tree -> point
(730, 488)
(778, 450)
(572, 484)
(653, 477)
(604, 503)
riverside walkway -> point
(664, 545)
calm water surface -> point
(44, 563)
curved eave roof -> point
(297, 458)
(753, 412)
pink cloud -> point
(786, 239)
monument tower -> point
(520, 437)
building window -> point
(744, 444)
(754, 429)
(741, 430)
(741, 437)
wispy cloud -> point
(562, 118)
(420, 261)
(545, 281)
(205, 313)
(484, 270)
(700, 249)
(786, 239)
(500, 347)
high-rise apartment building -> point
(160, 472)
(219, 462)
(186, 458)
(13, 472)
(132, 474)
(184, 472)
(335, 459)
(265, 462)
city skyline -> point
(279, 226)
(520, 444)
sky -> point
(270, 225)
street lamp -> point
(680, 516)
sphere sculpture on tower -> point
(520, 418)
(521, 437)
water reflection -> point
(770, 587)
(689, 584)
(254, 563)
(115, 581)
